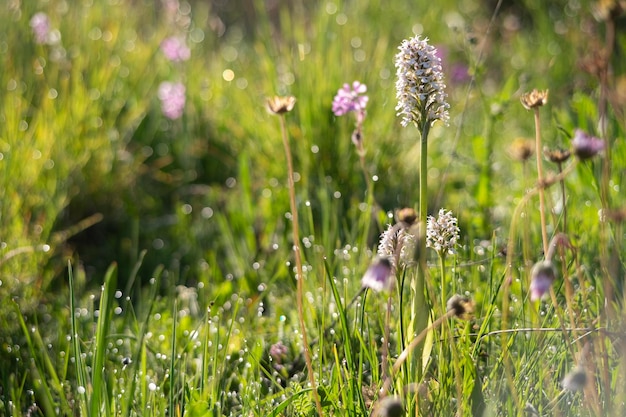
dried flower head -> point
(280, 105)
(558, 156)
(407, 215)
(175, 49)
(463, 307)
(378, 275)
(586, 146)
(172, 96)
(442, 233)
(543, 275)
(397, 242)
(521, 149)
(534, 99)
(389, 407)
(350, 99)
(575, 380)
(420, 87)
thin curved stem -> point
(300, 275)
(542, 197)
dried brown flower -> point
(521, 149)
(280, 105)
(463, 307)
(534, 99)
(558, 156)
(407, 215)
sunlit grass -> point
(146, 264)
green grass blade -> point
(99, 400)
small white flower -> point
(397, 242)
(442, 233)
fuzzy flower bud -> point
(542, 277)
(420, 85)
(586, 146)
(378, 275)
(575, 380)
(442, 233)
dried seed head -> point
(280, 105)
(558, 156)
(534, 99)
(407, 215)
(463, 307)
(521, 149)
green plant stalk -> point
(300, 275)
(172, 358)
(419, 313)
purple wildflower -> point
(586, 146)
(175, 49)
(350, 99)
(278, 351)
(40, 23)
(172, 96)
(378, 275)
(542, 277)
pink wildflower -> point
(40, 23)
(172, 96)
(586, 146)
(542, 277)
(350, 99)
(175, 49)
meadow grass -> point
(147, 265)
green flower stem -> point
(300, 275)
(419, 306)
